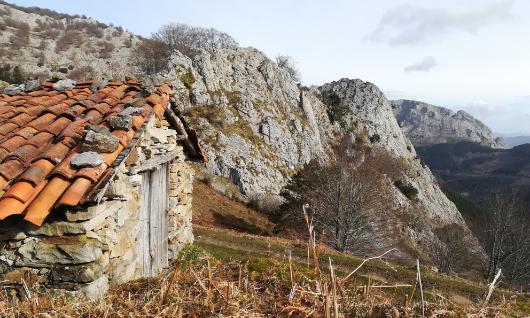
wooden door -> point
(153, 243)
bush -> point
(151, 56)
(265, 202)
(11, 74)
(189, 40)
(106, 50)
(287, 63)
(69, 38)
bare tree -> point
(346, 198)
(189, 40)
(287, 63)
(506, 238)
(450, 253)
(151, 55)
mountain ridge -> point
(427, 124)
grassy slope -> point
(228, 242)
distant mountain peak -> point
(426, 124)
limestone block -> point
(96, 289)
(66, 250)
(84, 273)
(125, 268)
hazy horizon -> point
(465, 55)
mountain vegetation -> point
(299, 184)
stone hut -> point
(95, 184)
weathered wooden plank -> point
(179, 127)
(164, 217)
(153, 163)
(143, 244)
(154, 239)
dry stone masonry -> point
(84, 249)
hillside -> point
(476, 170)
(427, 124)
(44, 43)
(232, 274)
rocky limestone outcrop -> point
(427, 124)
(255, 123)
(259, 127)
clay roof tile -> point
(40, 133)
(75, 193)
(11, 169)
(41, 206)
(13, 143)
(37, 172)
(58, 125)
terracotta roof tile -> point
(55, 153)
(92, 174)
(13, 143)
(26, 132)
(65, 168)
(58, 125)
(21, 119)
(75, 192)
(37, 172)
(42, 122)
(3, 154)
(7, 128)
(11, 169)
(41, 131)
(10, 206)
(3, 183)
(58, 108)
(25, 153)
(21, 191)
(40, 207)
(40, 139)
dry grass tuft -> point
(199, 285)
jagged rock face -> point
(358, 104)
(427, 124)
(256, 126)
(365, 108)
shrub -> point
(207, 178)
(264, 202)
(106, 50)
(151, 56)
(69, 38)
(337, 111)
(407, 189)
(189, 40)
(288, 64)
(11, 74)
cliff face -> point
(259, 127)
(427, 124)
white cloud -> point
(424, 65)
(413, 24)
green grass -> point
(263, 252)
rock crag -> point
(427, 124)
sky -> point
(462, 54)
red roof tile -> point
(41, 131)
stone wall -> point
(84, 249)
